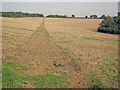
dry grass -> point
(81, 37)
(73, 43)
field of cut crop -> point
(57, 53)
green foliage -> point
(25, 68)
(109, 68)
(19, 28)
(57, 65)
(92, 38)
(72, 16)
(25, 82)
(105, 73)
(47, 69)
(94, 81)
(67, 48)
(118, 13)
(110, 25)
(57, 16)
(31, 64)
(94, 16)
(86, 16)
(47, 81)
(118, 22)
(103, 17)
(11, 78)
(20, 14)
(11, 64)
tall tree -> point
(86, 16)
(73, 16)
(93, 16)
(103, 17)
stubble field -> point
(58, 52)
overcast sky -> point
(79, 9)
(60, 0)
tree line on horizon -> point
(21, 14)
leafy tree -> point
(86, 16)
(109, 25)
(103, 17)
(94, 16)
(91, 16)
(65, 16)
(118, 13)
(72, 16)
(50, 16)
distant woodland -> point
(20, 14)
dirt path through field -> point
(41, 51)
(34, 50)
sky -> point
(60, 0)
(79, 9)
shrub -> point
(109, 25)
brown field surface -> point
(64, 47)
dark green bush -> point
(110, 25)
